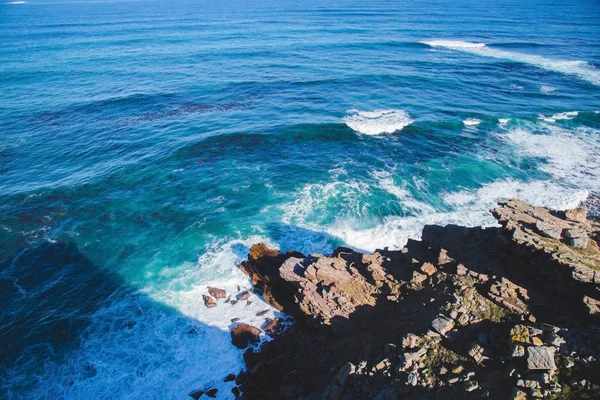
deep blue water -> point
(145, 145)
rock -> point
(383, 364)
(413, 379)
(410, 341)
(236, 392)
(476, 352)
(196, 394)
(344, 372)
(461, 270)
(519, 334)
(209, 302)
(243, 334)
(261, 313)
(443, 370)
(269, 325)
(578, 242)
(463, 319)
(428, 269)
(548, 230)
(418, 278)
(471, 386)
(536, 341)
(233, 320)
(212, 393)
(458, 369)
(592, 306)
(289, 392)
(217, 293)
(540, 358)
(577, 214)
(573, 233)
(442, 325)
(245, 295)
(229, 378)
(517, 350)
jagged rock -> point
(410, 341)
(442, 325)
(577, 214)
(245, 295)
(418, 278)
(549, 230)
(517, 351)
(461, 270)
(540, 358)
(327, 287)
(580, 242)
(413, 379)
(196, 394)
(344, 372)
(217, 293)
(592, 306)
(428, 269)
(212, 393)
(471, 386)
(261, 313)
(243, 334)
(567, 271)
(209, 302)
(229, 378)
(476, 352)
(269, 325)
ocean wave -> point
(471, 122)
(559, 116)
(377, 122)
(581, 69)
(546, 89)
(470, 208)
(570, 154)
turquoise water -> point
(146, 145)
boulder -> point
(540, 358)
(548, 230)
(217, 293)
(577, 214)
(592, 306)
(209, 302)
(243, 334)
(428, 269)
(442, 325)
(344, 372)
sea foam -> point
(581, 69)
(377, 122)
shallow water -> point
(146, 145)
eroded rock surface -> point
(464, 313)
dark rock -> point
(245, 295)
(212, 393)
(229, 378)
(243, 334)
(217, 293)
(196, 394)
(261, 313)
(209, 302)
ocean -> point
(146, 145)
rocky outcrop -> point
(464, 313)
(557, 251)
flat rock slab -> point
(540, 358)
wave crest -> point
(377, 122)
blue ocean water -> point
(145, 145)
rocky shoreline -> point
(507, 312)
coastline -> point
(506, 312)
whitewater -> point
(146, 146)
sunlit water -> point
(144, 146)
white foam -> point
(377, 122)
(547, 89)
(471, 122)
(137, 347)
(15, 2)
(470, 208)
(454, 44)
(503, 121)
(578, 68)
(386, 182)
(571, 156)
(559, 116)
